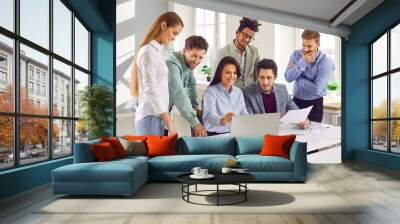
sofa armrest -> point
(298, 155)
(83, 152)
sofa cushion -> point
(161, 145)
(257, 163)
(275, 145)
(185, 163)
(116, 145)
(209, 145)
(103, 152)
(112, 171)
(249, 145)
(134, 147)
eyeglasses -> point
(246, 36)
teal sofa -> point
(125, 176)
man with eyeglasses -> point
(245, 54)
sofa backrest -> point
(249, 145)
(209, 145)
(83, 152)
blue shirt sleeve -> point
(209, 109)
(295, 68)
(318, 85)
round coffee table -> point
(238, 179)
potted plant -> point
(207, 71)
(332, 87)
(96, 102)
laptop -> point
(255, 125)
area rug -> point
(167, 198)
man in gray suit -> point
(245, 54)
(265, 96)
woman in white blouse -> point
(150, 77)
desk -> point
(319, 137)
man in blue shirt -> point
(311, 70)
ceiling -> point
(313, 14)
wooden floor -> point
(377, 188)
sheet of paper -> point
(296, 116)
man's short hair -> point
(310, 35)
(196, 42)
(267, 64)
(252, 24)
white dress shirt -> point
(152, 73)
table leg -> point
(217, 194)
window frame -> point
(15, 71)
(388, 74)
(218, 26)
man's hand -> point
(227, 118)
(200, 131)
(199, 112)
(305, 124)
(309, 57)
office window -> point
(212, 26)
(44, 132)
(6, 142)
(81, 81)
(6, 73)
(62, 140)
(62, 29)
(35, 21)
(7, 14)
(81, 45)
(385, 96)
(63, 73)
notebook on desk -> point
(255, 125)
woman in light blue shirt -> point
(222, 100)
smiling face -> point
(266, 79)
(228, 75)
(193, 57)
(168, 34)
(310, 46)
(244, 37)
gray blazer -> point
(254, 101)
(252, 58)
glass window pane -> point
(35, 21)
(81, 45)
(209, 34)
(7, 14)
(62, 29)
(395, 47)
(222, 35)
(379, 55)
(200, 31)
(34, 97)
(6, 74)
(81, 131)
(6, 142)
(222, 17)
(379, 98)
(209, 17)
(62, 89)
(395, 138)
(33, 140)
(62, 138)
(395, 95)
(379, 135)
(81, 81)
(199, 16)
